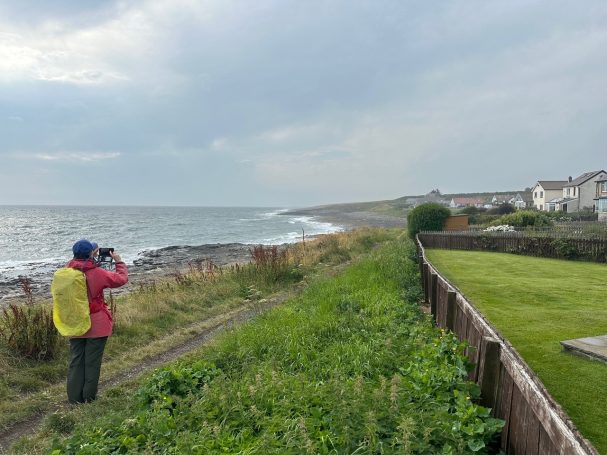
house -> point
(501, 199)
(545, 192)
(466, 202)
(580, 193)
(601, 198)
(518, 202)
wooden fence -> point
(535, 423)
(558, 245)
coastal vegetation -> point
(348, 363)
(159, 314)
(535, 303)
(352, 365)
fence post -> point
(433, 293)
(489, 371)
(425, 273)
(451, 309)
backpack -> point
(71, 313)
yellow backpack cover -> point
(71, 313)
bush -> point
(29, 330)
(427, 217)
(502, 209)
(524, 218)
(473, 210)
(566, 248)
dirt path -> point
(33, 424)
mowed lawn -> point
(535, 303)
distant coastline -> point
(350, 216)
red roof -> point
(468, 200)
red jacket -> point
(98, 279)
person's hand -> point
(115, 256)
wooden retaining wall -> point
(535, 423)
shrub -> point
(29, 331)
(427, 217)
(473, 210)
(566, 248)
(524, 218)
(502, 209)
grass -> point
(165, 313)
(535, 303)
(349, 366)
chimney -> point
(570, 179)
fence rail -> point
(565, 244)
(535, 423)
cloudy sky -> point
(295, 103)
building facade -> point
(580, 193)
(601, 198)
(545, 191)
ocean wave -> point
(274, 213)
(322, 227)
(290, 237)
(29, 264)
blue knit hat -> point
(83, 248)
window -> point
(604, 187)
(568, 191)
(574, 190)
(602, 205)
(535, 195)
(541, 194)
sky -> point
(296, 103)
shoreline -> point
(159, 263)
(151, 265)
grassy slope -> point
(154, 319)
(348, 367)
(536, 303)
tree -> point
(427, 217)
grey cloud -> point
(286, 102)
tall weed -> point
(29, 330)
(272, 264)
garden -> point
(536, 303)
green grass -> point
(349, 366)
(536, 303)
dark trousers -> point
(84, 369)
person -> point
(86, 351)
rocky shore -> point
(154, 264)
(150, 265)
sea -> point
(35, 240)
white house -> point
(547, 190)
(580, 193)
(518, 202)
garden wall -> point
(535, 423)
(549, 245)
